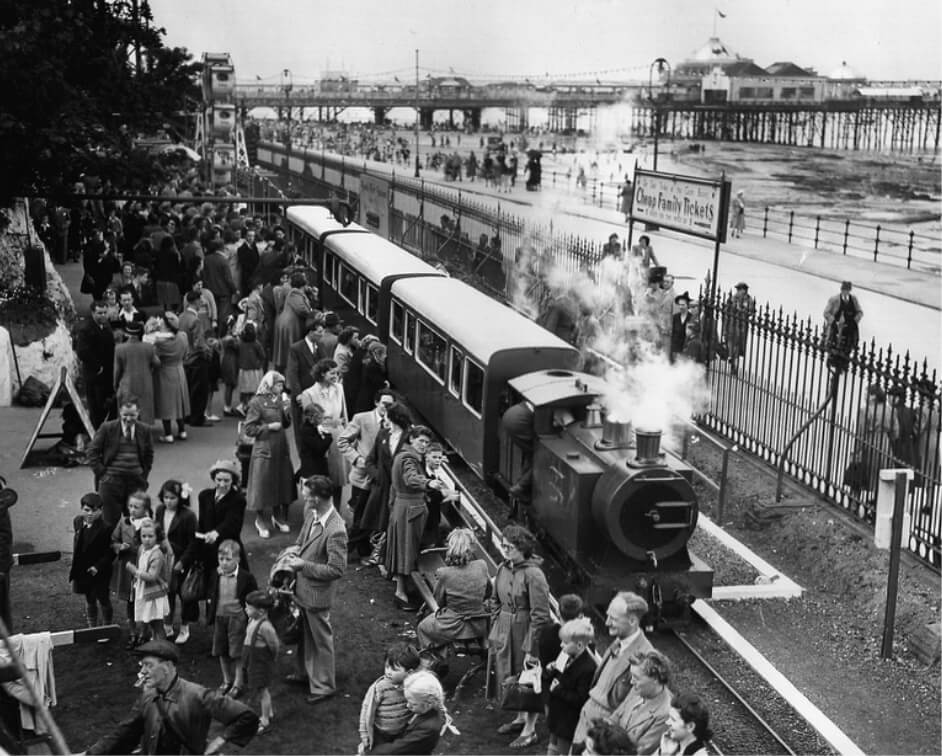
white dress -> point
(148, 610)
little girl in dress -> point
(150, 584)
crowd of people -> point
(225, 299)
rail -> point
(734, 693)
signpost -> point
(688, 204)
(374, 204)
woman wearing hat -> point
(134, 365)
(171, 391)
(221, 512)
(271, 477)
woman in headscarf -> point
(271, 478)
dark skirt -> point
(404, 536)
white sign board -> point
(374, 204)
(682, 203)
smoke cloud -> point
(615, 317)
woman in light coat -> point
(523, 612)
(271, 478)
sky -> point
(607, 39)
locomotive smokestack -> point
(648, 445)
(616, 433)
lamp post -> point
(286, 86)
(417, 112)
(662, 65)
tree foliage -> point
(73, 96)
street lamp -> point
(286, 86)
(417, 112)
(662, 65)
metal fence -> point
(893, 246)
(776, 387)
(832, 419)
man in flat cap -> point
(173, 715)
(841, 316)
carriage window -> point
(457, 371)
(348, 285)
(329, 263)
(474, 387)
(372, 304)
(432, 353)
(410, 333)
(398, 320)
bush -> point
(28, 314)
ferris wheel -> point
(220, 139)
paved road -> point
(901, 307)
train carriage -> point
(355, 267)
(453, 349)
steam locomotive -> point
(615, 510)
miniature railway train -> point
(618, 514)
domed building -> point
(843, 82)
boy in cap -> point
(260, 654)
(173, 715)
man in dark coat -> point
(248, 256)
(94, 346)
(92, 556)
(217, 278)
(121, 456)
(173, 715)
(302, 356)
(679, 325)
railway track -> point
(748, 716)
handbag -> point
(520, 693)
(193, 587)
(88, 284)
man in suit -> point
(679, 325)
(355, 443)
(302, 356)
(842, 314)
(217, 278)
(95, 349)
(121, 456)
(320, 561)
(612, 681)
(248, 259)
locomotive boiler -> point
(613, 508)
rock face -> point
(44, 357)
